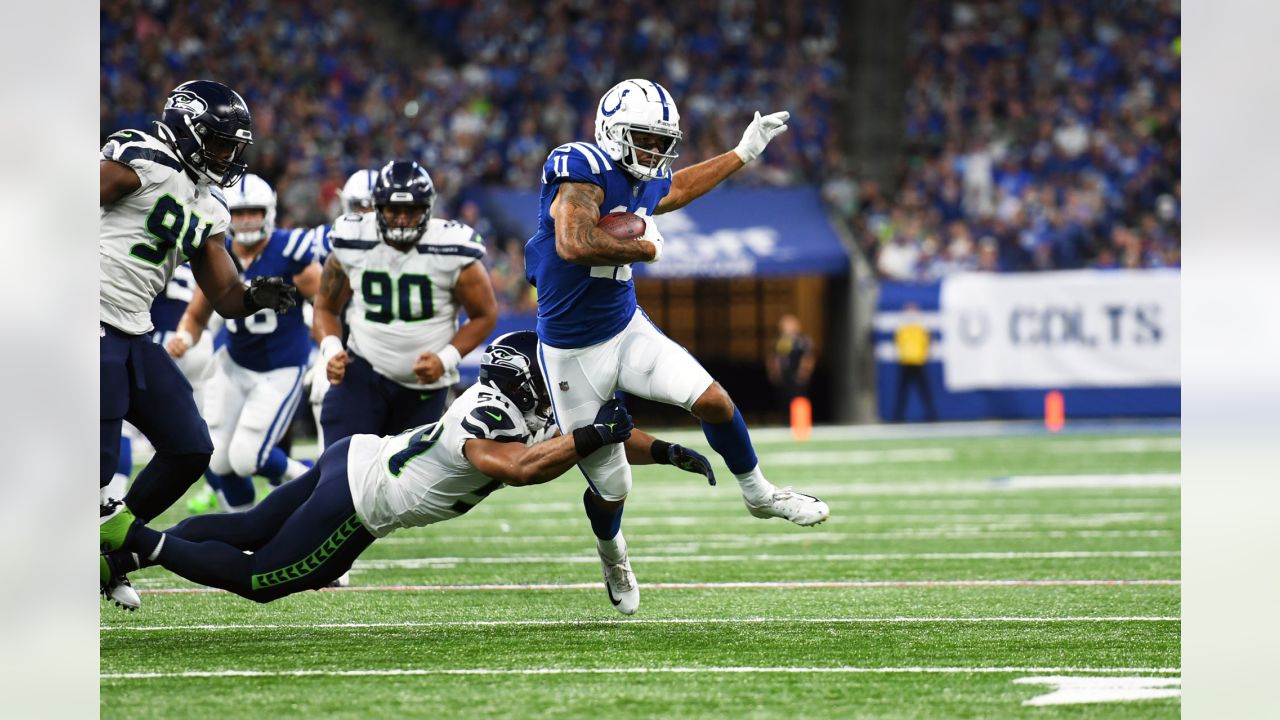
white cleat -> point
(116, 588)
(621, 584)
(785, 503)
(342, 580)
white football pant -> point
(641, 361)
(248, 412)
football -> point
(622, 225)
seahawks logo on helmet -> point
(186, 102)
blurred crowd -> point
(1039, 133)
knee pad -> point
(242, 456)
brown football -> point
(622, 225)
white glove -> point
(652, 234)
(759, 133)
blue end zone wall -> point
(1155, 401)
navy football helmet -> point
(208, 126)
(510, 364)
(403, 183)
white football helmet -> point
(252, 193)
(357, 194)
(639, 107)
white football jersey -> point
(149, 232)
(402, 303)
(421, 476)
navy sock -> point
(273, 469)
(214, 480)
(604, 523)
(237, 490)
(733, 443)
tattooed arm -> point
(576, 210)
(326, 326)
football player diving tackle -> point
(596, 340)
(308, 532)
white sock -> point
(613, 550)
(754, 486)
(293, 469)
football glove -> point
(759, 133)
(269, 292)
(691, 461)
(613, 422)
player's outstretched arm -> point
(115, 180)
(576, 210)
(695, 181)
(217, 276)
(645, 449)
(516, 464)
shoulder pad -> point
(577, 162)
(134, 147)
(493, 417)
(451, 237)
(351, 232)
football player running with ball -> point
(162, 205)
(406, 275)
(596, 340)
(257, 381)
(307, 533)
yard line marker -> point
(430, 562)
(857, 457)
(644, 621)
(386, 672)
(741, 585)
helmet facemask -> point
(219, 155)
(401, 234)
(647, 152)
(250, 227)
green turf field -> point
(951, 572)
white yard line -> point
(797, 458)
(388, 672)
(644, 621)
(743, 585)
(427, 562)
(637, 518)
(745, 540)
(1115, 446)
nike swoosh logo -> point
(609, 590)
(495, 417)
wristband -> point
(587, 440)
(661, 450)
(331, 345)
(185, 337)
(449, 357)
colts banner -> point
(1073, 329)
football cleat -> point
(204, 501)
(801, 509)
(621, 584)
(114, 521)
(117, 588)
(341, 581)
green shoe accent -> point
(111, 534)
(206, 501)
(104, 571)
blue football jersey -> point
(168, 307)
(266, 341)
(579, 305)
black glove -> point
(612, 425)
(269, 292)
(665, 453)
